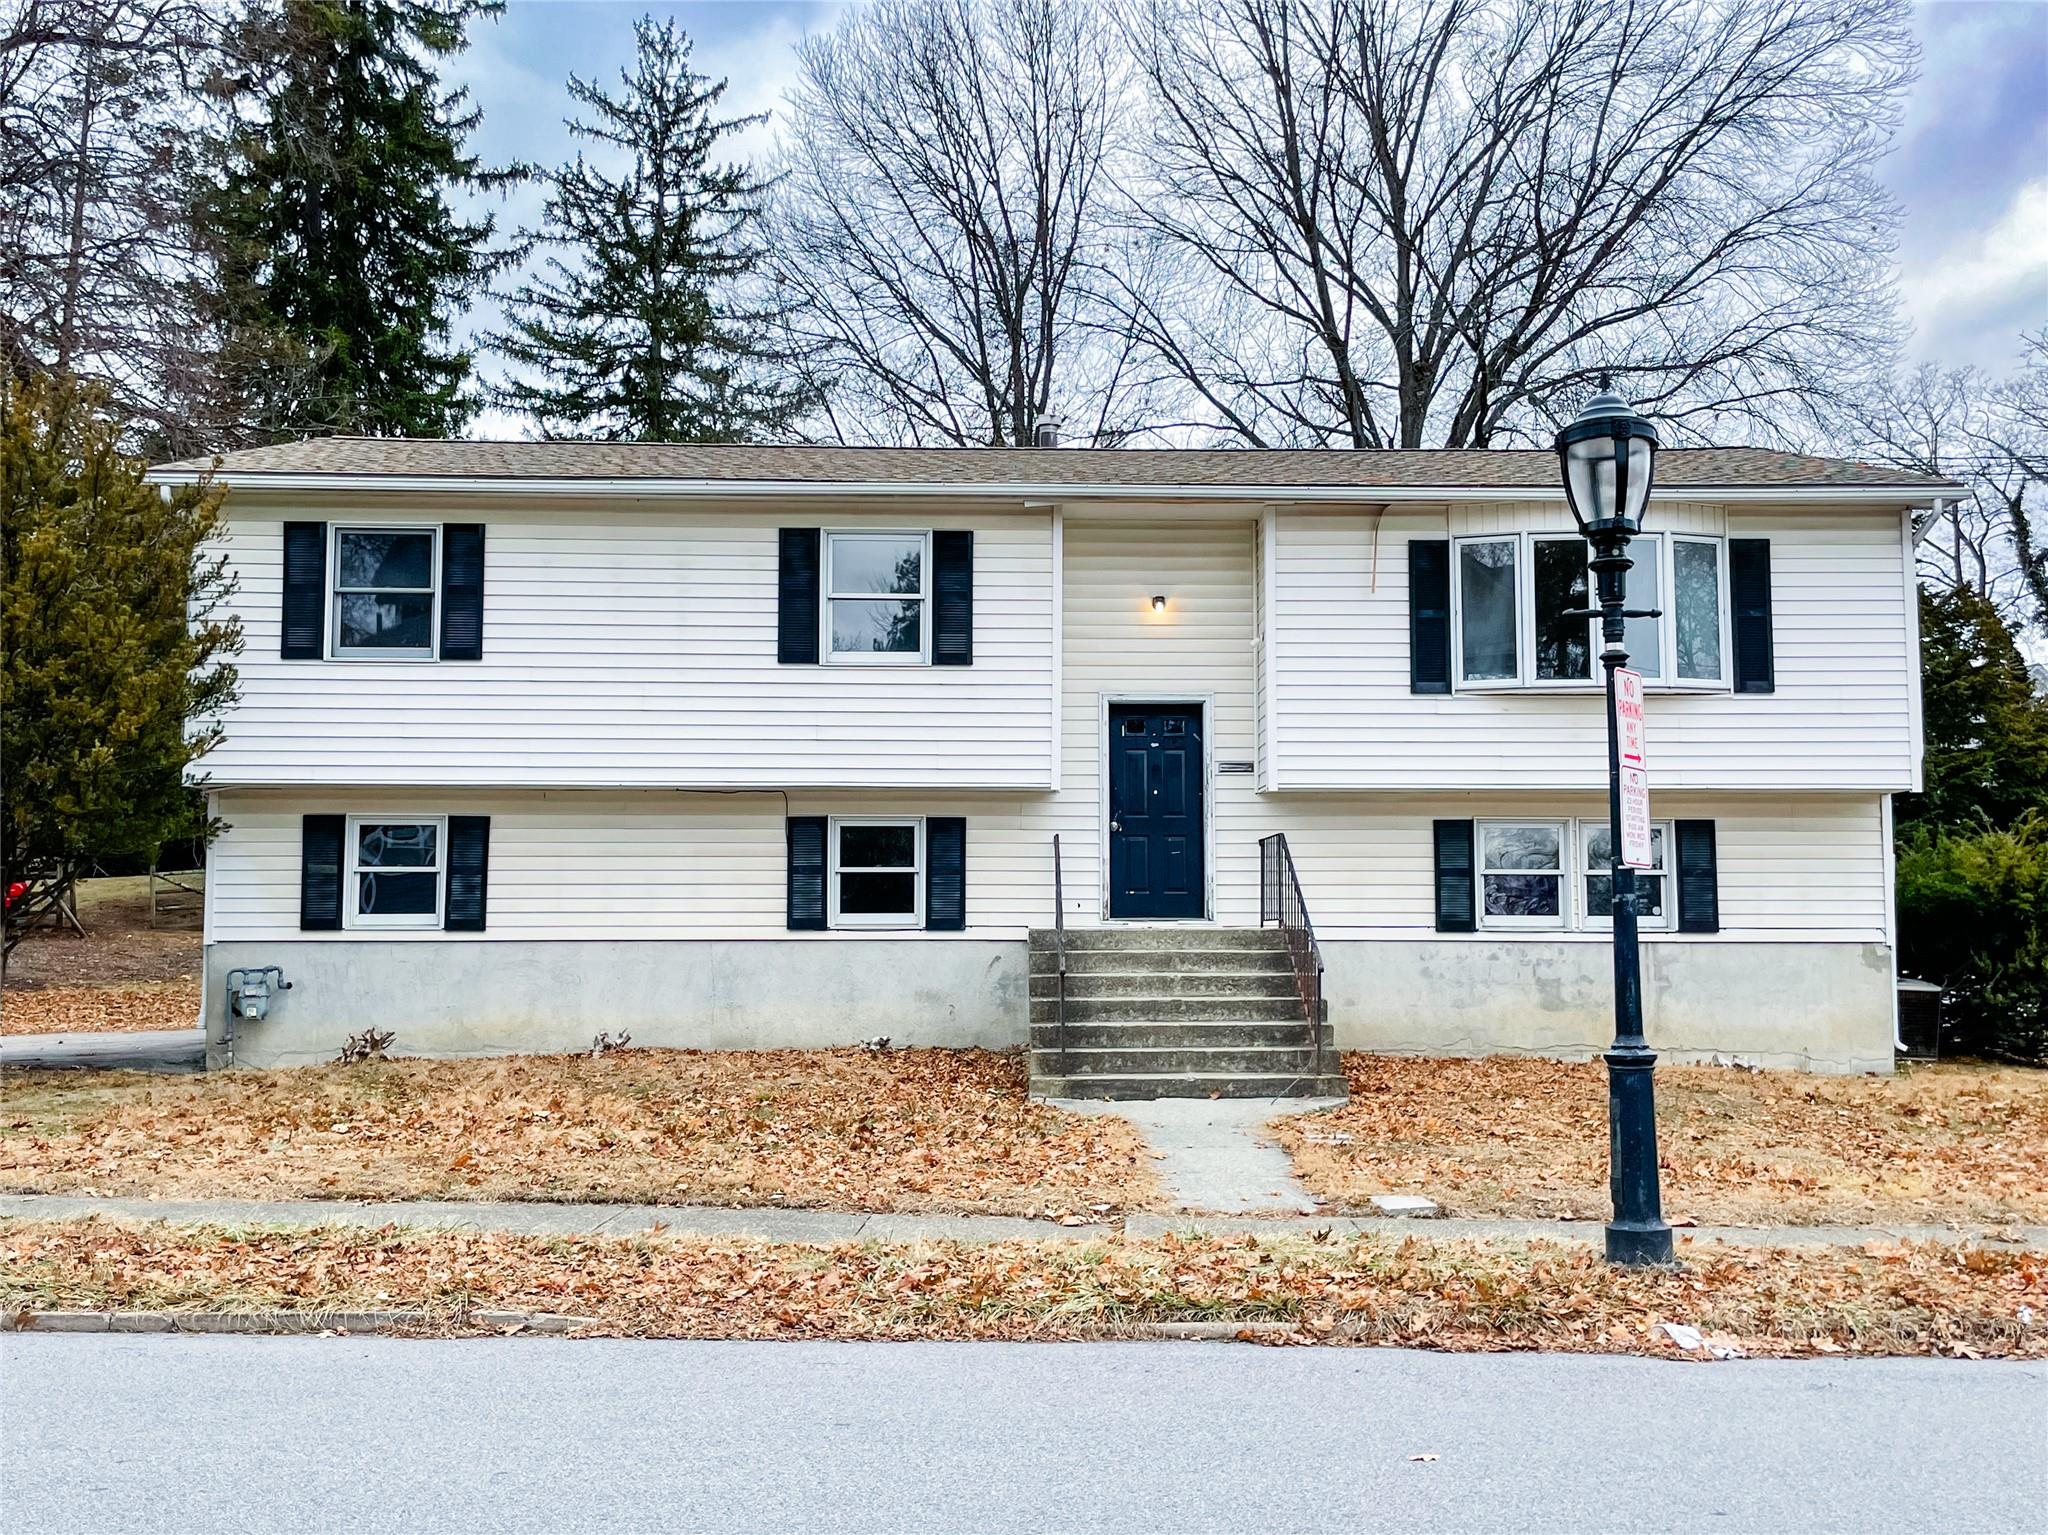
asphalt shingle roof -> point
(1140, 468)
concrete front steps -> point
(1174, 1012)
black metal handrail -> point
(1059, 942)
(1280, 901)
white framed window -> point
(385, 593)
(396, 870)
(1522, 874)
(876, 595)
(1560, 649)
(875, 871)
(1596, 882)
(1698, 611)
(1489, 625)
(1511, 592)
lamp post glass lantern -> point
(1608, 457)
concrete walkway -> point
(1212, 1156)
(173, 1050)
(824, 1226)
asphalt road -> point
(188, 1434)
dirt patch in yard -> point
(936, 1130)
(123, 974)
(1885, 1298)
(1949, 1143)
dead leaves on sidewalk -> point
(838, 1129)
(1909, 1298)
(1522, 1137)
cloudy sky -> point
(1970, 168)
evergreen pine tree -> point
(634, 327)
(331, 215)
(1986, 728)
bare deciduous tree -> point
(1992, 435)
(1402, 223)
(943, 180)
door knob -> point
(1116, 826)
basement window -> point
(396, 872)
(876, 878)
(1596, 846)
(1521, 874)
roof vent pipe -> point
(1047, 433)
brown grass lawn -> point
(123, 974)
(1951, 1143)
(1882, 1298)
(843, 1129)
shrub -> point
(1973, 915)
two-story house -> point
(733, 746)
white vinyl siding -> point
(633, 646)
(1340, 714)
(587, 864)
(1199, 651)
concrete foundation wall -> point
(456, 998)
(1810, 1006)
(1820, 1007)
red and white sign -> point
(1628, 709)
(1635, 819)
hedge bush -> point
(1973, 915)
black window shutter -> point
(807, 873)
(1749, 601)
(305, 591)
(796, 631)
(945, 875)
(320, 839)
(469, 872)
(1454, 877)
(952, 598)
(1699, 878)
(1429, 615)
(462, 591)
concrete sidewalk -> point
(1213, 1155)
(169, 1050)
(829, 1226)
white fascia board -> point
(788, 490)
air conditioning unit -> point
(1919, 1019)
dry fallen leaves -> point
(1510, 1136)
(100, 1009)
(1926, 1299)
(840, 1129)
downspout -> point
(1891, 913)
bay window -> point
(1511, 593)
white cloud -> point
(1984, 281)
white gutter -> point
(507, 485)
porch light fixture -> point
(1159, 603)
(1607, 458)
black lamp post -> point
(1607, 457)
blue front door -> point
(1155, 811)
